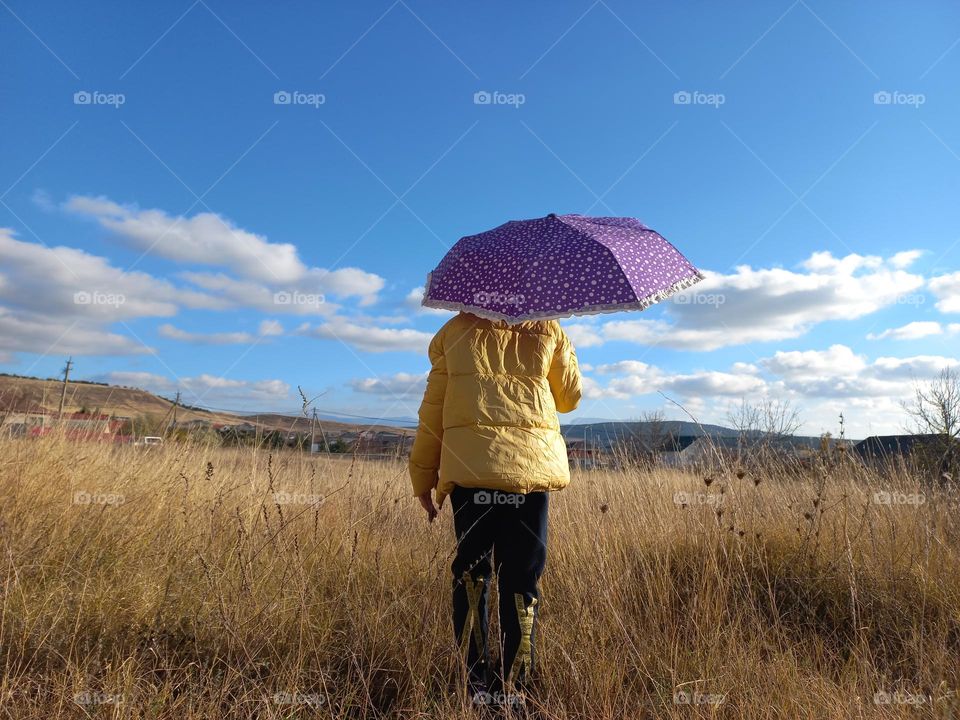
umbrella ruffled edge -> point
(547, 315)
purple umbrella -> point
(557, 266)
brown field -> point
(20, 393)
(169, 583)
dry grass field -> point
(204, 583)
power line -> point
(294, 413)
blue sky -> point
(156, 197)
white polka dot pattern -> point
(558, 266)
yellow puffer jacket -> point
(489, 413)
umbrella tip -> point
(551, 215)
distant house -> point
(239, 430)
(379, 442)
(23, 422)
(739, 449)
(74, 426)
(671, 452)
(583, 455)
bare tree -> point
(779, 418)
(935, 407)
(767, 419)
(655, 431)
(745, 419)
(935, 411)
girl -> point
(489, 437)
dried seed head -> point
(756, 481)
(708, 481)
(604, 508)
(740, 474)
(816, 502)
(808, 516)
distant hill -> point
(300, 424)
(26, 393)
(29, 393)
(609, 431)
(20, 393)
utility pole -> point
(63, 392)
(162, 427)
(323, 435)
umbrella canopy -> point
(558, 266)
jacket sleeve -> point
(425, 455)
(564, 375)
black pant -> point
(510, 529)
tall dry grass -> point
(176, 586)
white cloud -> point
(947, 290)
(207, 389)
(63, 300)
(840, 373)
(796, 365)
(208, 239)
(205, 239)
(397, 385)
(632, 378)
(583, 335)
(763, 305)
(414, 301)
(36, 333)
(245, 293)
(820, 383)
(905, 258)
(70, 283)
(910, 331)
(369, 338)
(268, 328)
